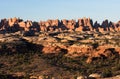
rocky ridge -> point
(82, 24)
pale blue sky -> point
(37, 10)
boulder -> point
(81, 77)
(95, 75)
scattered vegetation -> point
(107, 67)
(33, 61)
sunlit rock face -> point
(82, 24)
(85, 24)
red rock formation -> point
(4, 24)
(80, 28)
(64, 22)
(80, 25)
(51, 49)
(12, 21)
(71, 24)
(42, 26)
(118, 26)
(111, 26)
(22, 24)
(105, 51)
(85, 24)
(90, 24)
(96, 27)
(105, 25)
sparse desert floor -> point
(62, 55)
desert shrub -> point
(106, 73)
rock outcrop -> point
(83, 24)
